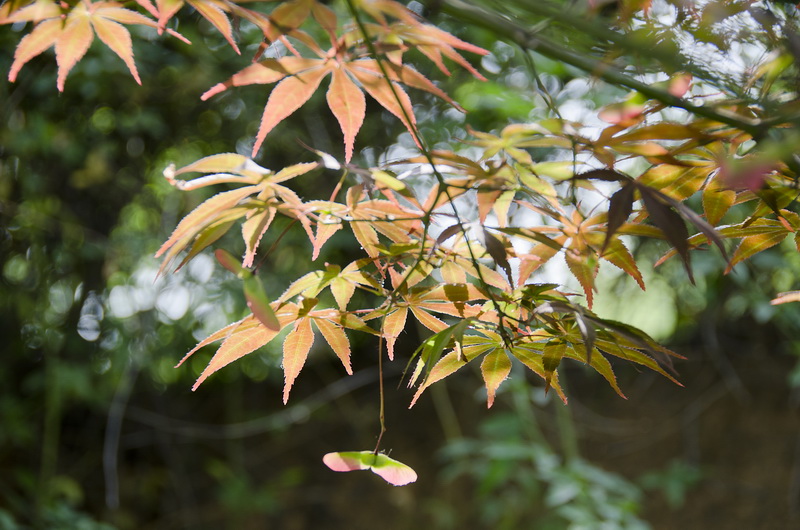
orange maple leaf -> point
(73, 31)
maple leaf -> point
(73, 35)
(261, 197)
(296, 346)
(239, 339)
(298, 78)
(410, 32)
(212, 10)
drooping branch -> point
(515, 32)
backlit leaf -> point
(342, 291)
(428, 320)
(391, 96)
(486, 198)
(72, 44)
(295, 351)
(348, 104)
(265, 72)
(287, 96)
(671, 224)
(620, 256)
(206, 238)
(366, 236)
(203, 214)
(212, 12)
(717, 201)
(495, 369)
(227, 260)
(633, 355)
(43, 36)
(337, 340)
(116, 37)
(34, 12)
(677, 182)
(241, 325)
(552, 354)
(497, 251)
(253, 230)
(393, 324)
(584, 269)
(236, 346)
(784, 298)
(752, 245)
(533, 359)
(222, 163)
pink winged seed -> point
(394, 472)
(343, 462)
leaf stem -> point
(382, 414)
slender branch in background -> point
(116, 415)
(51, 431)
(278, 421)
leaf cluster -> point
(454, 239)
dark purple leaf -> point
(497, 251)
(619, 208)
(669, 222)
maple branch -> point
(443, 188)
(528, 40)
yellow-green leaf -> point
(495, 369)
(717, 200)
(752, 245)
(552, 354)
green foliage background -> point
(99, 431)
